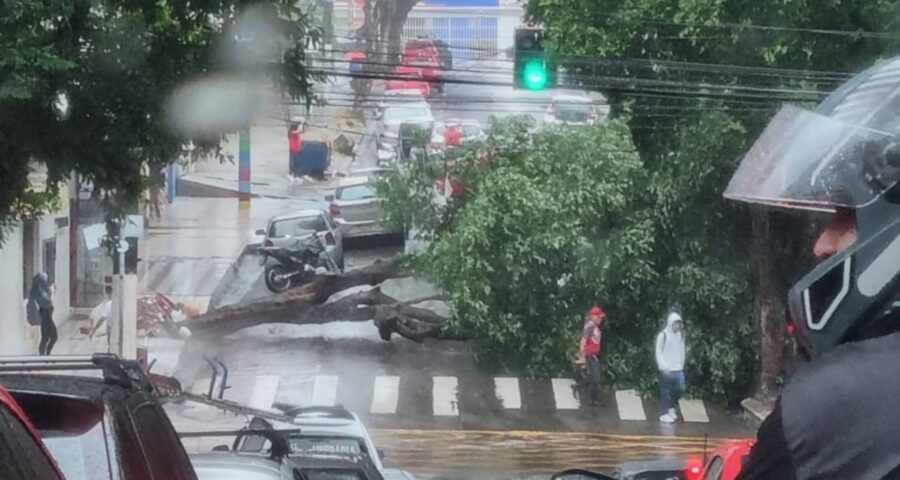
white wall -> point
(62, 306)
(13, 328)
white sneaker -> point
(673, 413)
(666, 418)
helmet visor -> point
(810, 161)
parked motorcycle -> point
(297, 263)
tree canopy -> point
(700, 79)
(552, 222)
(117, 65)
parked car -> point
(468, 131)
(333, 432)
(658, 469)
(572, 109)
(411, 83)
(284, 229)
(356, 210)
(428, 48)
(23, 454)
(98, 428)
(389, 122)
(725, 463)
(270, 461)
(426, 59)
(400, 97)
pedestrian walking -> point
(670, 357)
(157, 185)
(40, 301)
(590, 348)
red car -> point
(725, 462)
(23, 454)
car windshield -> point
(294, 227)
(398, 114)
(356, 192)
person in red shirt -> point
(295, 141)
(452, 136)
(590, 348)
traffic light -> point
(534, 68)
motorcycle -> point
(297, 264)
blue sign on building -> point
(460, 3)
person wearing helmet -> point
(837, 417)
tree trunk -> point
(306, 305)
(769, 305)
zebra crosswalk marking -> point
(385, 395)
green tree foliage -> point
(552, 223)
(117, 64)
(705, 109)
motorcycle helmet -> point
(843, 158)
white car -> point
(574, 109)
(471, 132)
(388, 129)
(400, 97)
(333, 431)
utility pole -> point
(123, 324)
(244, 167)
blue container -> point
(313, 159)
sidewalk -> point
(269, 161)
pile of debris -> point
(157, 315)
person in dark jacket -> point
(837, 416)
(42, 295)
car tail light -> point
(693, 469)
(329, 238)
(334, 209)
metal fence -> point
(469, 37)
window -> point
(356, 192)
(714, 469)
(295, 227)
(21, 457)
(73, 430)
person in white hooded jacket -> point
(670, 356)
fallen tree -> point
(306, 305)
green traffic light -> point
(535, 76)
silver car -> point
(388, 127)
(241, 466)
(284, 229)
(334, 431)
(355, 207)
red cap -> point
(597, 311)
